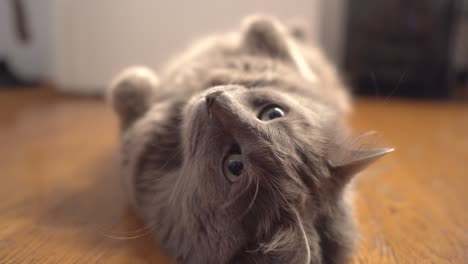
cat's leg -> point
(338, 234)
(132, 92)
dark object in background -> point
(400, 47)
(21, 21)
(8, 79)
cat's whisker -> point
(275, 185)
(304, 236)
(146, 230)
(184, 182)
(171, 158)
(128, 232)
(275, 190)
(231, 201)
(398, 85)
(257, 186)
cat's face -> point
(255, 151)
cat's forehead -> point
(249, 71)
(260, 96)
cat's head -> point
(257, 158)
(267, 158)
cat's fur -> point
(289, 205)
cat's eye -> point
(233, 166)
(271, 112)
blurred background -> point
(409, 48)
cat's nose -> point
(211, 98)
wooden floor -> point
(61, 199)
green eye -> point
(233, 166)
(271, 112)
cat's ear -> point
(131, 93)
(349, 158)
(264, 35)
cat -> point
(238, 152)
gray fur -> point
(289, 205)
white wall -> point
(95, 39)
(27, 60)
(332, 28)
(4, 32)
(82, 44)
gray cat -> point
(239, 153)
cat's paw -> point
(132, 92)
